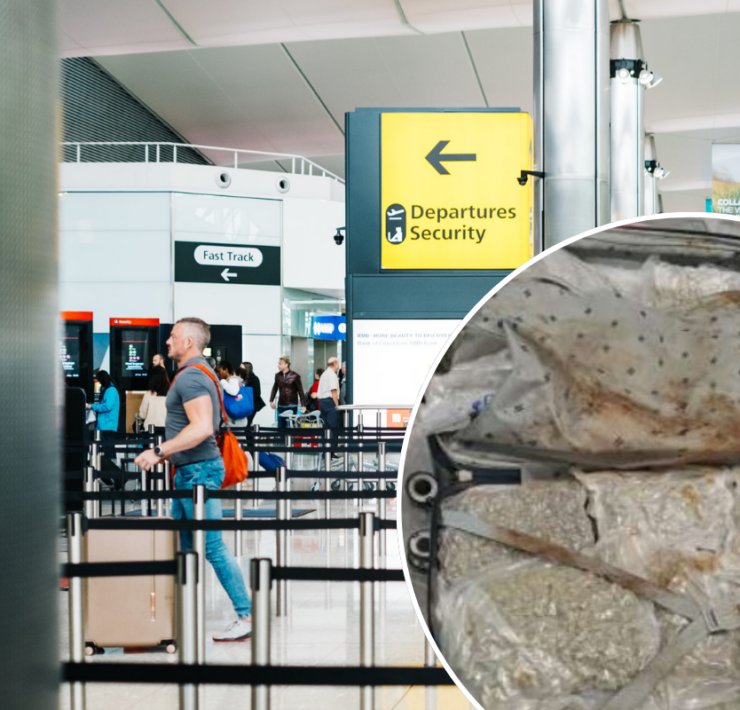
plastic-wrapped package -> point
(554, 511)
(596, 378)
(524, 634)
(527, 634)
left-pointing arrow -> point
(226, 274)
(435, 157)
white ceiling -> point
(279, 75)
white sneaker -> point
(239, 630)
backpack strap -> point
(205, 370)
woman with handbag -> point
(246, 372)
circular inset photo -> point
(570, 513)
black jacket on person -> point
(254, 383)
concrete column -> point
(31, 386)
(571, 107)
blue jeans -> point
(282, 421)
(211, 474)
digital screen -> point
(69, 350)
(391, 358)
(135, 352)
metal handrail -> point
(307, 166)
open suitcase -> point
(130, 611)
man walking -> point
(328, 394)
(193, 418)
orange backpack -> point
(235, 460)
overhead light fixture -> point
(661, 173)
(623, 74)
(649, 79)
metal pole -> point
(381, 501)
(167, 484)
(97, 503)
(159, 469)
(76, 608)
(261, 581)
(327, 466)
(367, 606)
(89, 505)
(238, 516)
(360, 456)
(346, 453)
(199, 546)
(289, 466)
(281, 537)
(187, 622)
(256, 454)
(430, 658)
(144, 502)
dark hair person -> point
(109, 406)
(159, 381)
(246, 372)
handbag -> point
(235, 460)
(241, 405)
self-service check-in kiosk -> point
(133, 344)
(76, 350)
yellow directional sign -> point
(449, 190)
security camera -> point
(524, 176)
(339, 237)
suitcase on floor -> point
(130, 611)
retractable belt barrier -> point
(232, 495)
(192, 671)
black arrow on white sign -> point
(436, 158)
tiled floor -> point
(321, 628)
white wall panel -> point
(116, 300)
(104, 256)
(225, 219)
(311, 259)
(255, 308)
(116, 211)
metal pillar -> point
(89, 505)
(627, 75)
(199, 546)
(367, 606)
(281, 537)
(346, 453)
(360, 457)
(571, 117)
(238, 551)
(430, 658)
(76, 607)
(381, 501)
(159, 470)
(187, 622)
(256, 456)
(325, 486)
(261, 581)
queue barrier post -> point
(430, 658)
(167, 484)
(76, 603)
(289, 466)
(381, 501)
(346, 453)
(360, 457)
(367, 606)
(89, 505)
(159, 468)
(256, 457)
(327, 466)
(281, 536)
(261, 582)
(187, 622)
(199, 546)
(238, 551)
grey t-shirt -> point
(190, 384)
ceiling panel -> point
(504, 59)
(237, 97)
(413, 72)
(118, 27)
(432, 16)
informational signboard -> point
(391, 358)
(199, 262)
(449, 192)
(329, 327)
(726, 178)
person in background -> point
(312, 401)
(343, 385)
(246, 372)
(288, 383)
(211, 362)
(157, 361)
(328, 392)
(193, 416)
(153, 409)
(230, 383)
(108, 408)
